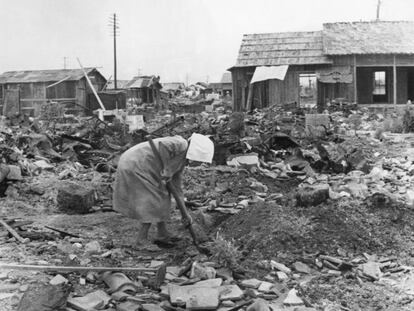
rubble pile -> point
(296, 204)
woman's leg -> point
(143, 233)
(162, 230)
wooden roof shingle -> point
(376, 37)
(283, 48)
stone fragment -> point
(4, 275)
(156, 264)
(128, 306)
(281, 276)
(202, 272)
(15, 173)
(312, 195)
(44, 165)
(258, 305)
(210, 282)
(249, 160)
(4, 171)
(151, 307)
(117, 296)
(228, 303)
(251, 283)
(75, 197)
(280, 267)
(93, 247)
(58, 279)
(292, 299)
(230, 292)
(194, 297)
(251, 292)
(372, 270)
(301, 267)
(265, 287)
(95, 300)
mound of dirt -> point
(279, 231)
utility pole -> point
(186, 78)
(378, 9)
(139, 72)
(64, 62)
(113, 23)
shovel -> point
(197, 234)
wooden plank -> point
(91, 86)
(13, 232)
(56, 83)
(73, 268)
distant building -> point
(370, 63)
(173, 88)
(26, 91)
(225, 86)
(144, 90)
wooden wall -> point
(34, 95)
(286, 91)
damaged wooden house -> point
(144, 90)
(368, 63)
(28, 91)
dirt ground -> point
(271, 227)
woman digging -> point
(140, 190)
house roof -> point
(226, 78)
(31, 76)
(173, 86)
(377, 37)
(142, 82)
(282, 48)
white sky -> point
(170, 38)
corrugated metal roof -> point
(377, 37)
(283, 48)
(226, 78)
(32, 76)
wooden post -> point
(249, 98)
(355, 81)
(243, 103)
(394, 75)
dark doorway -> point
(379, 88)
(410, 84)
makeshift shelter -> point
(28, 91)
(144, 90)
(370, 63)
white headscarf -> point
(201, 149)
